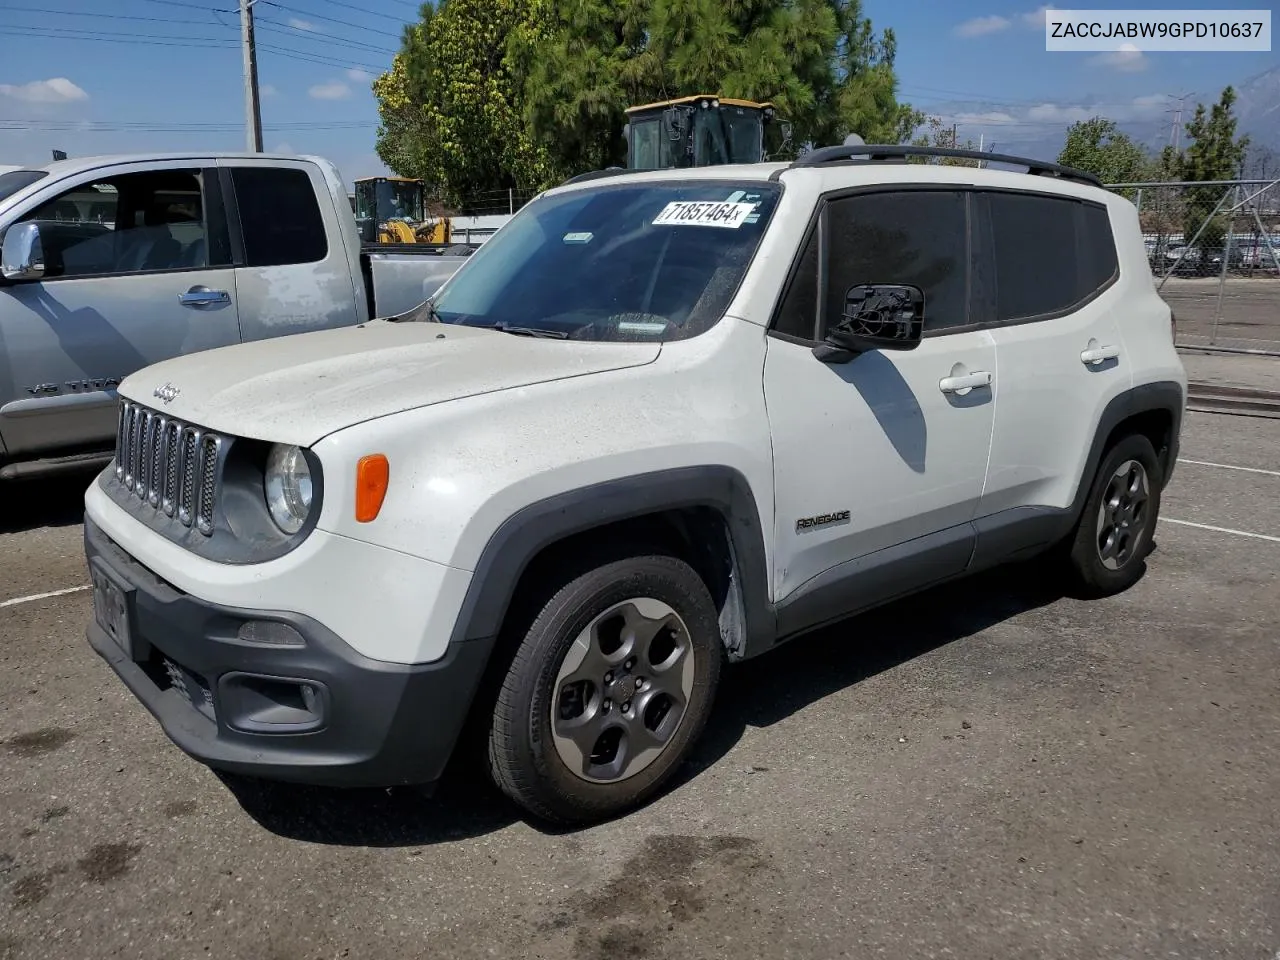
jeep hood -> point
(299, 388)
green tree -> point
(819, 61)
(1097, 146)
(451, 105)
(1215, 153)
(938, 134)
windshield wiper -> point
(505, 327)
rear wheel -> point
(1114, 533)
(609, 689)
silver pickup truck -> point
(111, 264)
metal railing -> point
(1214, 249)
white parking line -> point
(1205, 526)
(1229, 466)
(41, 596)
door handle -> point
(965, 382)
(1095, 355)
(199, 296)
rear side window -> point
(1098, 256)
(1050, 253)
(279, 217)
(919, 237)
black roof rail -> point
(597, 174)
(887, 152)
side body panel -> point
(67, 342)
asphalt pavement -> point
(989, 770)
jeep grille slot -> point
(171, 466)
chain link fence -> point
(1214, 248)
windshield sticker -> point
(578, 237)
(636, 327)
(703, 213)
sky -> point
(93, 77)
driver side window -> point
(131, 223)
(916, 237)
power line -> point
(317, 16)
(301, 33)
(110, 16)
(169, 40)
(124, 126)
(373, 13)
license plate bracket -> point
(113, 608)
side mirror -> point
(673, 124)
(22, 257)
(876, 316)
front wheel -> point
(608, 691)
(1114, 533)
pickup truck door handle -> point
(1095, 355)
(199, 296)
(965, 382)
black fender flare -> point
(524, 534)
(1165, 396)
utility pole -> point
(1175, 133)
(252, 105)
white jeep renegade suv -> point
(660, 421)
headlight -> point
(287, 485)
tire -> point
(559, 767)
(1107, 553)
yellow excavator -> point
(703, 130)
(393, 210)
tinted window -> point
(15, 180)
(1098, 256)
(641, 261)
(279, 217)
(798, 314)
(917, 237)
(1036, 263)
(134, 223)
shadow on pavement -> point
(49, 502)
(757, 693)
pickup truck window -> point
(15, 180)
(640, 261)
(132, 223)
(279, 216)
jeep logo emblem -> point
(166, 393)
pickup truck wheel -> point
(1114, 533)
(608, 691)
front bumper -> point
(290, 701)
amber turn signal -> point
(372, 474)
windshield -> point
(727, 135)
(15, 180)
(652, 261)
(399, 201)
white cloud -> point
(994, 116)
(1056, 113)
(981, 26)
(1128, 59)
(284, 146)
(56, 90)
(335, 90)
(267, 90)
(356, 75)
(302, 25)
(1035, 19)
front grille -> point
(169, 465)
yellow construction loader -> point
(393, 210)
(703, 130)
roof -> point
(390, 179)
(79, 164)
(728, 101)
